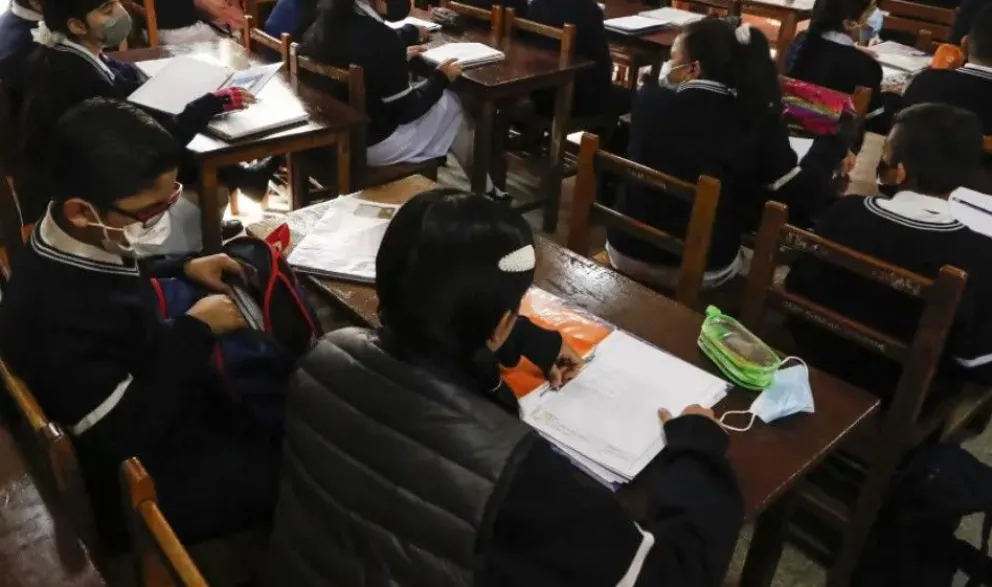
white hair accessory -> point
(45, 36)
(743, 34)
(523, 259)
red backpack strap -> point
(163, 306)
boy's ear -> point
(77, 212)
(901, 174)
(77, 27)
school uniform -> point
(402, 469)
(408, 122)
(81, 327)
(695, 130)
(832, 60)
(16, 25)
(594, 93)
(968, 87)
(915, 232)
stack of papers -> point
(634, 25)
(900, 57)
(417, 22)
(606, 419)
(673, 16)
(465, 54)
(345, 241)
(973, 209)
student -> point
(408, 122)
(594, 93)
(16, 25)
(969, 87)
(79, 323)
(291, 16)
(962, 23)
(179, 21)
(932, 150)
(827, 55)
(428, 476)
(717, 112)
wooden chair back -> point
(493, 16)
(914, 17)
(62, 479)
(565, 35)
(352, 78)
(255, 40)
(11, 221)
(144, 11)
(159, 558)
(704, 195)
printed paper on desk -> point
(417, 22)
(632, 25)
(673, 16)
(580, 330)
(466, 54)
(901, 57)
(976, 220)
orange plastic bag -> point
(947, 56)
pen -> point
(975, 207)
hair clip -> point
(45, 36)
(743, 34)
(520, 260)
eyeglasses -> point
(149, 215)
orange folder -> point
(578, 328)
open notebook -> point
(417, 22)
(466, 54)
(673, 16)
(345, 241)
(634, 25)
(900, 57)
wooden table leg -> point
(209, 207)
(552, 177)
(765, 549)
(344, 163)
(483, 147)
(786, 33)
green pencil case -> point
(743, 357)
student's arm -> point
(882, 106)
(405, 102)
(409, 34)
(194, 118)
(121, 412)
(527, 339)
(557, 524)
(970, 340)
(966, 15)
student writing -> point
(80, 324)
(970, 86)
(932, 150)
(716, 111)
(407, 461)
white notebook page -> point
(179, 82)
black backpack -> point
(913, 542)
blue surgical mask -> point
(873, 26)
(788, 394)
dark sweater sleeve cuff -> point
(410, 34)
(191, 341)
(198, 113)
(697, 433)
(539, 345)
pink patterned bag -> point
(815, 108)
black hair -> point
(828, 16)
(441, 291)
(939, 145)
(744, 66)
(330, 14)
(980, 35)
(104, 150)
(58, 13)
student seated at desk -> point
(969, 87)
(408, 122)
(79, 322)
(290, 16)
(827, 55)
(716, 111)
(179, 21)
(16, 25)
(932, 150)
(595, 93)
(429, 477)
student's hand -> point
(414, 51)
(693, 410)
(235, 98)
(209, 271)
(423, 35)
(219, 313)
(847, 164)
(450, 68)
(566, 367)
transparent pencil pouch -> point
(743, 357)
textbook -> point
(345, 241)
(605, 421)
(417, 22)
(466, 54)
(180, 80)
(634, 25)
(673, 16)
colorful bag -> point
(815, 108)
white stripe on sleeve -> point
(101, 411)
(634, 571)
(778, 183)
(876, 112)
(398, 96)
(972, 363)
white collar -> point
(85, 53)
(838, 37)
(976, 69)
(365, 8)
(24, 12)
(915, 211)
(56, 238)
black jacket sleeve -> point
(558, 527)
(410, 34)
(529, 340)
(404, 101)
(194, 118)
(966, 15)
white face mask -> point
(666, 71)
(141, 241)
(788, 394)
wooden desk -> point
(789, 13)
(493, 87)
(330, 124)
(650, 49)
(769, 460)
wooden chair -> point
(704, 196)
(11, 223)
(353, 81)
(257, 41)
(159, 558)
(144, 14)
(914, 18)
(54, 458)
(880, 445)
(493, 16)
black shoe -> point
(230, 229)
(498, 195)
(253, 178)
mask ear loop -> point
(796, 359)
(736, 428)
